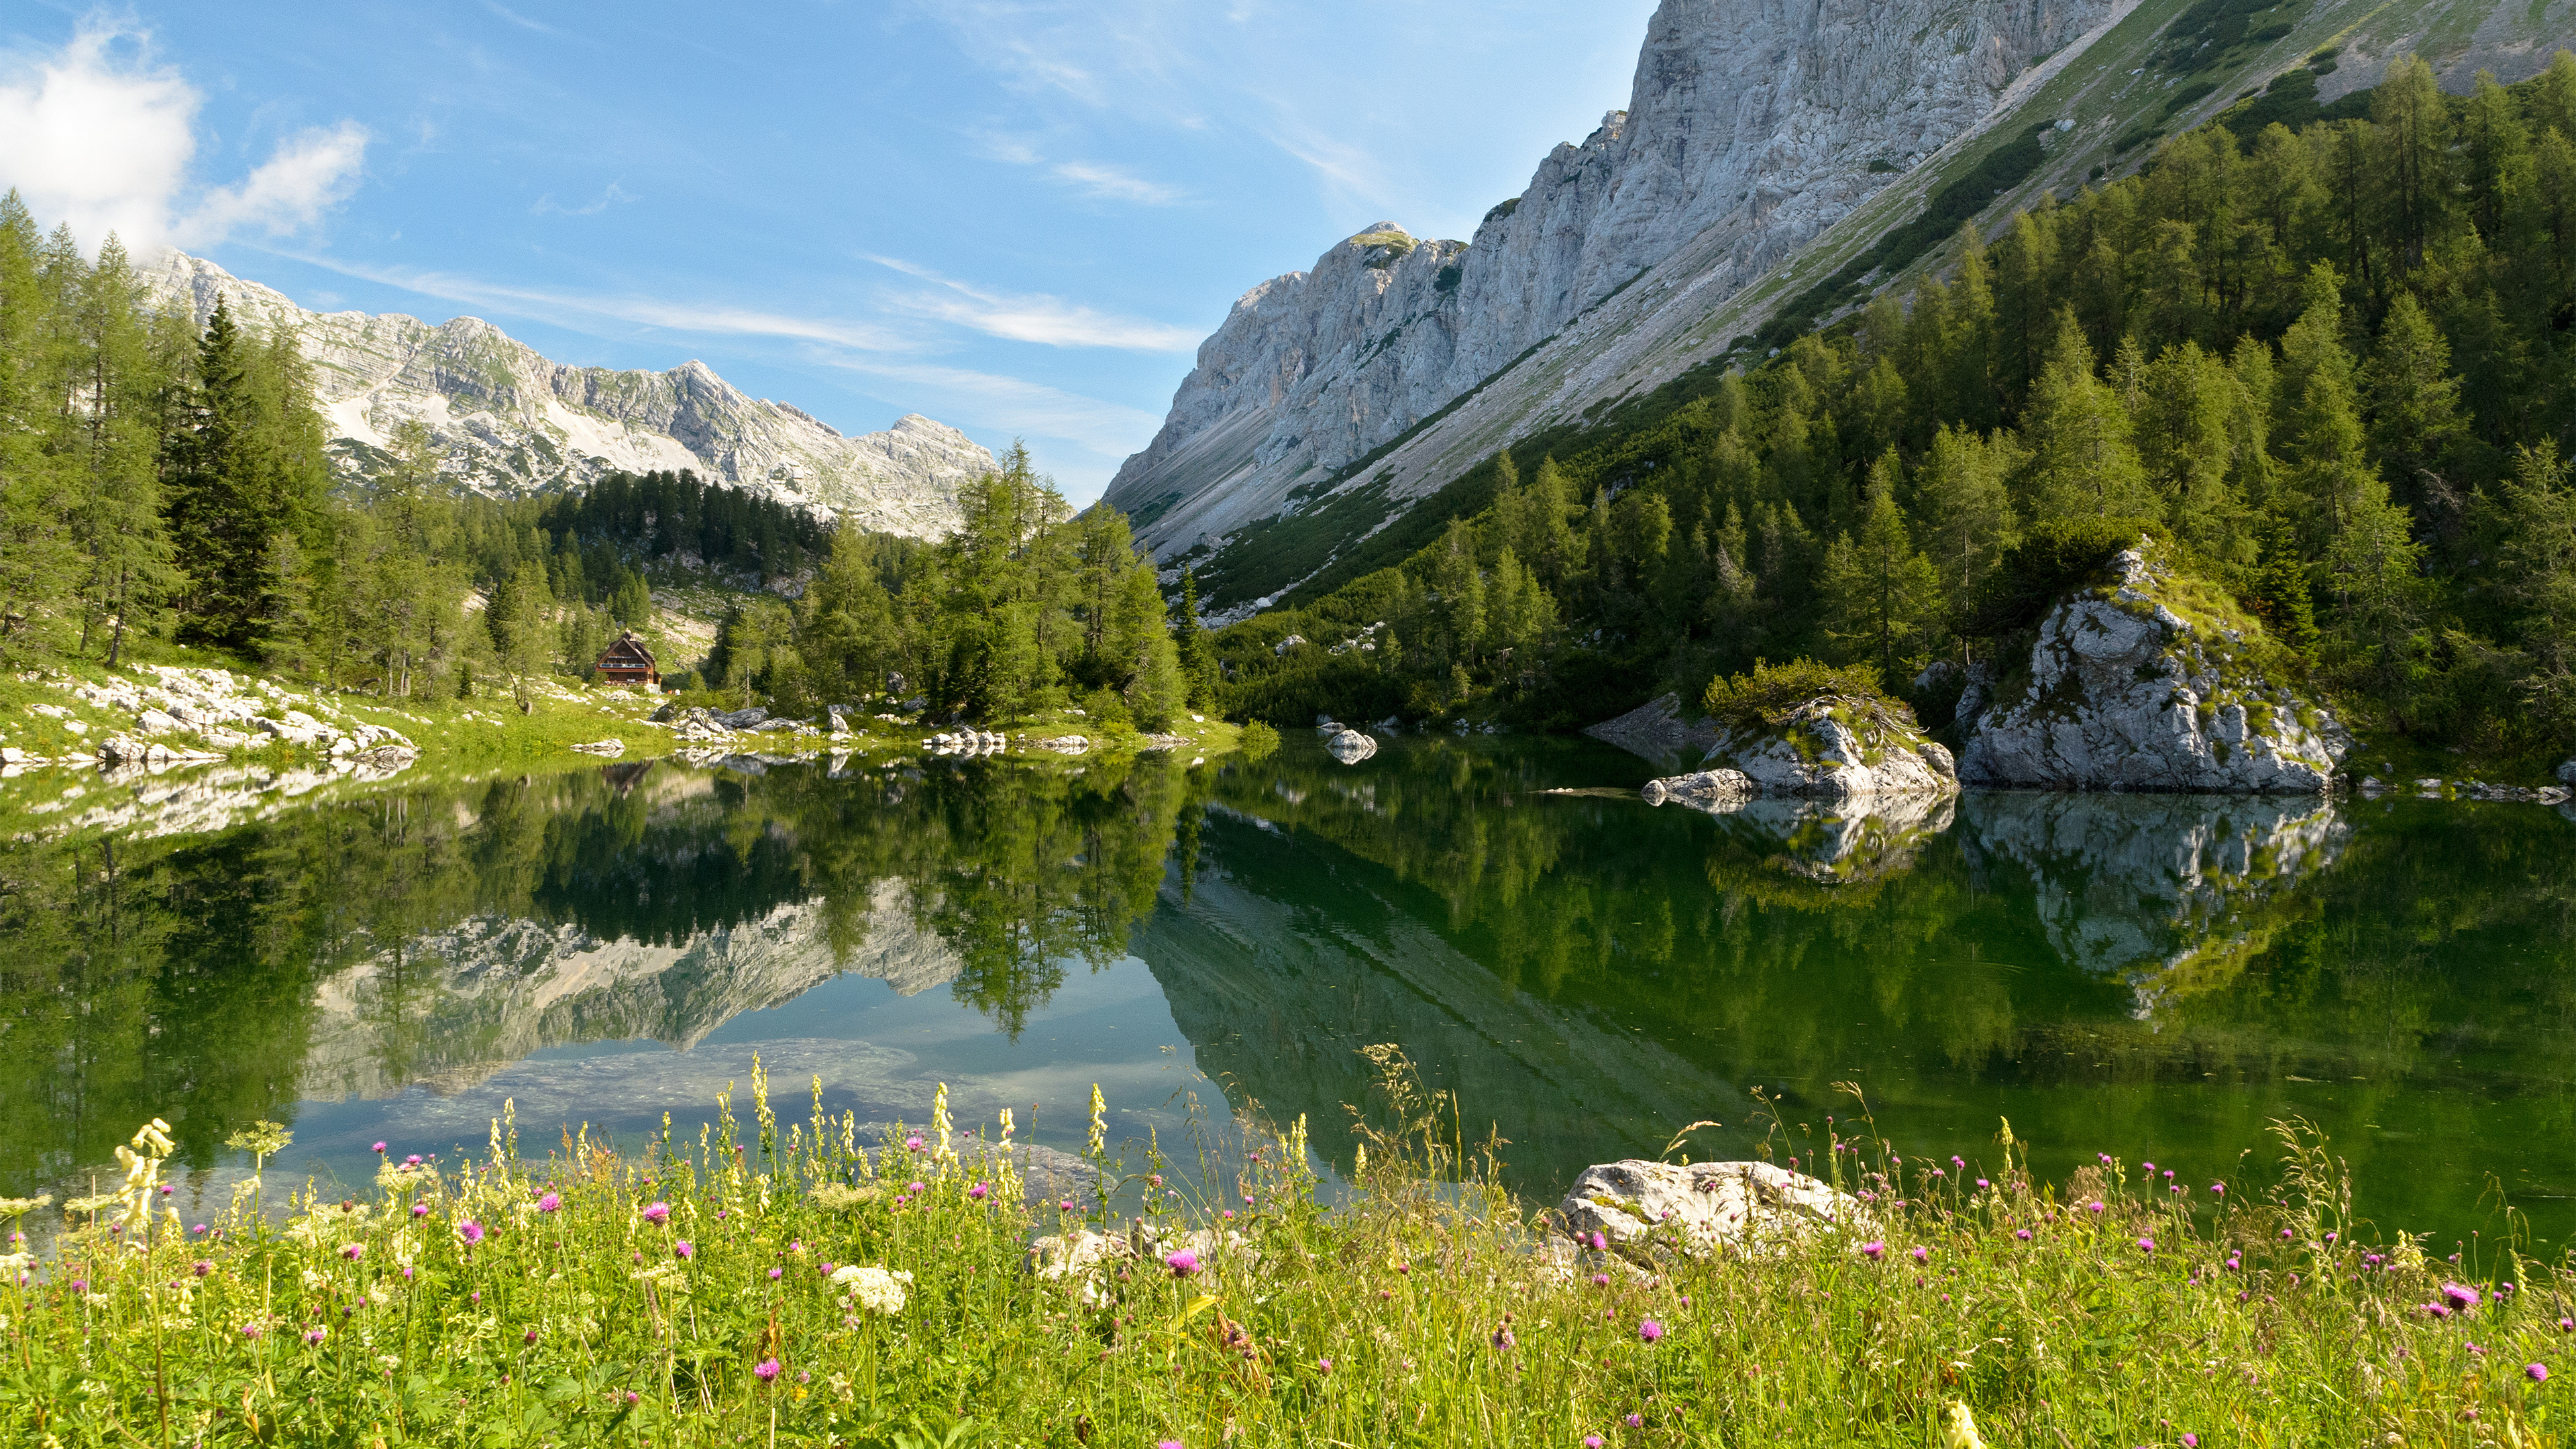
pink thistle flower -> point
(316, 1334)
(2146, 1245)
(199, 1230)
(1599, 1280)
(471, 1231)
(1873, 1251)
(1591, 1441)
(204, 1267)
(915, 1187)
(1182, 1264)
(412, 1161)
(912, 1144)
(767, 1369)
(549, 1203)
(420, 1210)
(1922, 1254)
(379, 1149)
(2538, 1373)
(685, 1249)
(1324, 1365)
(2094, 1206)
(2461, 1296)
(1600, 1243)
(1504, 1341)
(979, 1192)
(657, 1212)
(1649, 1330)
(1635, 1421)
(2022, 1233)
(252, 1330)
(777, 1273)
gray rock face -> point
(2127, 693)
(1750, 129)
(1350, 746)
(2567, 774)
(1710, 790)
(509, 422)
(1703, 1205)
(1838, 749)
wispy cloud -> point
(991, 400)
(1031, 317)
(582, 312)
(1115, 183)
(99, 136)
(519, 20)
(615, 195)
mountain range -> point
(1766, 151)
(509, 422)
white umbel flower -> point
(876, 1290)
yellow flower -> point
(1959, 1427)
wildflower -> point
(412, 1161)
(767, 1369)
(316, 1334)
(1504, 1342)
(978, 1192)
(251, 1330)
(204, 1267)
(470, 1231)
(685, 1249)
(1649, 1330)
(1169, 1444)
(915, 1188)
(380, 1149)
(1599, 1280)
(2022, 1233)
(2567, 1325)
(1066, 1205)
(1960, 1432)
(2437, 1310)
(1983, 1184)
(1324, 1365)
(657, 1212)
(1600, 1243)
(877, 1290)
(549, 1203)
(1635, 1421)
(1922, 1254)
(1873, 1250)
(912, 1144)
(354, 1251)
(420, 1209)
(2146, 1245)
(2461, 1296)
(2094, 1207)
(531, 1336)
(777, 1273)
(1591, 1441)
(1182, 1264)
(2218, 1189)
(2538, 1373)
(2191, 1441)
(199, 1230)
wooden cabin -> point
(628, 662)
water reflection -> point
(2155, 975)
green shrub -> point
(1257, 741)
(2052, 558)
(1765, 696)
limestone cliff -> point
(509, 421)
(1752, 126)
(2143, 680)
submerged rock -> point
(2567, 774)
(2139, 683)
(1702, 1205)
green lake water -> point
(2156, 977)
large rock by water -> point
(1701, 1205)
(2136, 683)
(1837, 748)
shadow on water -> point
(2158, 977)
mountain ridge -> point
(507, 421)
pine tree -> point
(2537, 567)
(2414, 405)
(2083, 461)
(1190, 640)
(37, 499)
(1965, 507)
(1882, 597)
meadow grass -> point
(794, 1284)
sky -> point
(1019, 217)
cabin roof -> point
(628, 652)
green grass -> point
(514, 1300)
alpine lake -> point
(2155, 977)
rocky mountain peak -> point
(510, 422)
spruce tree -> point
(2084, 463)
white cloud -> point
(1032, 317)
(615, 195)
(990, 400)
(98, 136)
(1115, 183)
(582, 313)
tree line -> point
(1027, 607)
(2334, 364)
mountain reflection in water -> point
(2158, 977)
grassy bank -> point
(724, 1287)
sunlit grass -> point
(725, 1289)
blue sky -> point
(1017, 216)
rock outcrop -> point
(1700, 1206)
(1837, 748)
(1350, 746)
(2143, 681)
(1750, 129)
(1710, 790)
(509, 422)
